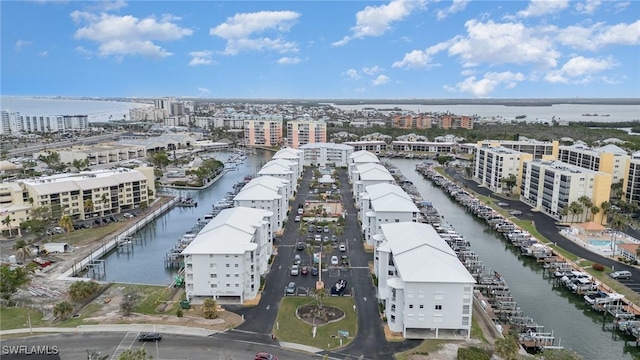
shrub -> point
(375, 279)
(597, 267)
(472, 354)
(179, 313)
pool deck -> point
(604, 250)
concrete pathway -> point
(163, 329)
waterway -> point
(578, 327)
(145, 263)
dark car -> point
(150, 337)
(300, 245)
(304, 270)
(290, 289)
(314, 271)
(265, 356)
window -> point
(227, 265)
(236, 265)
(410, 306)
(465, 320)
(421, 306)
(393, 318)
(397, 220)
(213, 276)
(228, 285)
(390, 272)
(465, 309)
(438, 307)
(237, 275)
(213, 266)
(213, 286)
(237, 285)
(228, 275)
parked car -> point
(515, 212)
(297, 259)
(300, 211)
(150, 337)
(318, 237)
(314, 271)
(312, 228)
(622, 274)
(334, 260)
(502, 204)
(295, 270)
(265, 356)
(300, 245)
(290, 289)
(304, 270)
(297, 218)
(326, 229)
(343, 247)
(334, 238)
(319, 229)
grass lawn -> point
(86, 236)
(86, 312)
(16, 318)
(476, 331)
(427, 347)
(149, 298)
(297, 331)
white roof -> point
(393, 202)
(377, 190)
(612, 149)
(258, 192)
(326, 145)
(288, 150)
(238, 223)
(364, 156)
(271, 182)
(372, 171)
(283, 162)
(421, 255)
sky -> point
(394, 49)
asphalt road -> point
(74, 346)
(547, 228)
(259, 320)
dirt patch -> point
(447, 351)
(313, 315)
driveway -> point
(546, 226)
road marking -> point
(129, 338)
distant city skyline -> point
(322, 49)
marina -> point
(575, 324)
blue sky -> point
(322, 49)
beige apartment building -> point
(306, 131)
(81, 195)
(261, 132)
(98, 154)
(610, 159)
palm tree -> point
(564, 213)
(574, 209)
(594, 211)
(617, 223)
(22, 248)
(104, 199)
(88, 206)
(606, 208)
(66, 223)
(586, 202)
(62, 310)
(7, 222)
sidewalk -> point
(163, 329)
(299, 347)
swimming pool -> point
(602, 242)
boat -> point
(186, 202)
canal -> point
(578, 327)
(144, 264)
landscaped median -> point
(290, 328)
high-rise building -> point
(263, 132)
(306, 131)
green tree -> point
(138, 354)
(66, 223)
(128, 303)
(62, 310)
(606, 210)
(318, 296)
(564, 213)
(586, 202)
(7, 222)
(80, 290)
(96, 355)
(510, 181)
(160, 160)
(507, 347)
(210, 309)
(4, 154)
(594, 211)
(88, 206)
(22, 248)
(11, 279)
(80, 164)
(575, 209)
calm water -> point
(565, 112)
(145, 264)
(557, 309)
(96, 110)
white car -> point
(297, 218)
(334, 260)
(295, 270)
(343, 247)
(300, 211)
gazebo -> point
(589, 228)
(326, 179)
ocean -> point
(97, 110)
(561, 112)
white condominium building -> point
(359, 158)
(385, 203)
(551, 186)
(539, 149)
(266, 193)
(14, 123)
(426, 292)
(610, 159)
(225, 260)
(494, 164)
(293, 155)
(323, 154)
(283, 169)
(369, 174)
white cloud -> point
(580, 66)
(588, 6)
(20, 44)
(599, 35)
(288, 60)
(490, 81)
(543, 7)
(238, 29)
(376, 20)
(456, 6)
(504, 43)
(202, 57)
(419, 58)
(371, 70)
(88, 54)
(353, 74)
(621, 5)
(43, 53)
(128, 35)
(380, 80)
(360, 90)
(202, 91)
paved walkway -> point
(164, 329)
